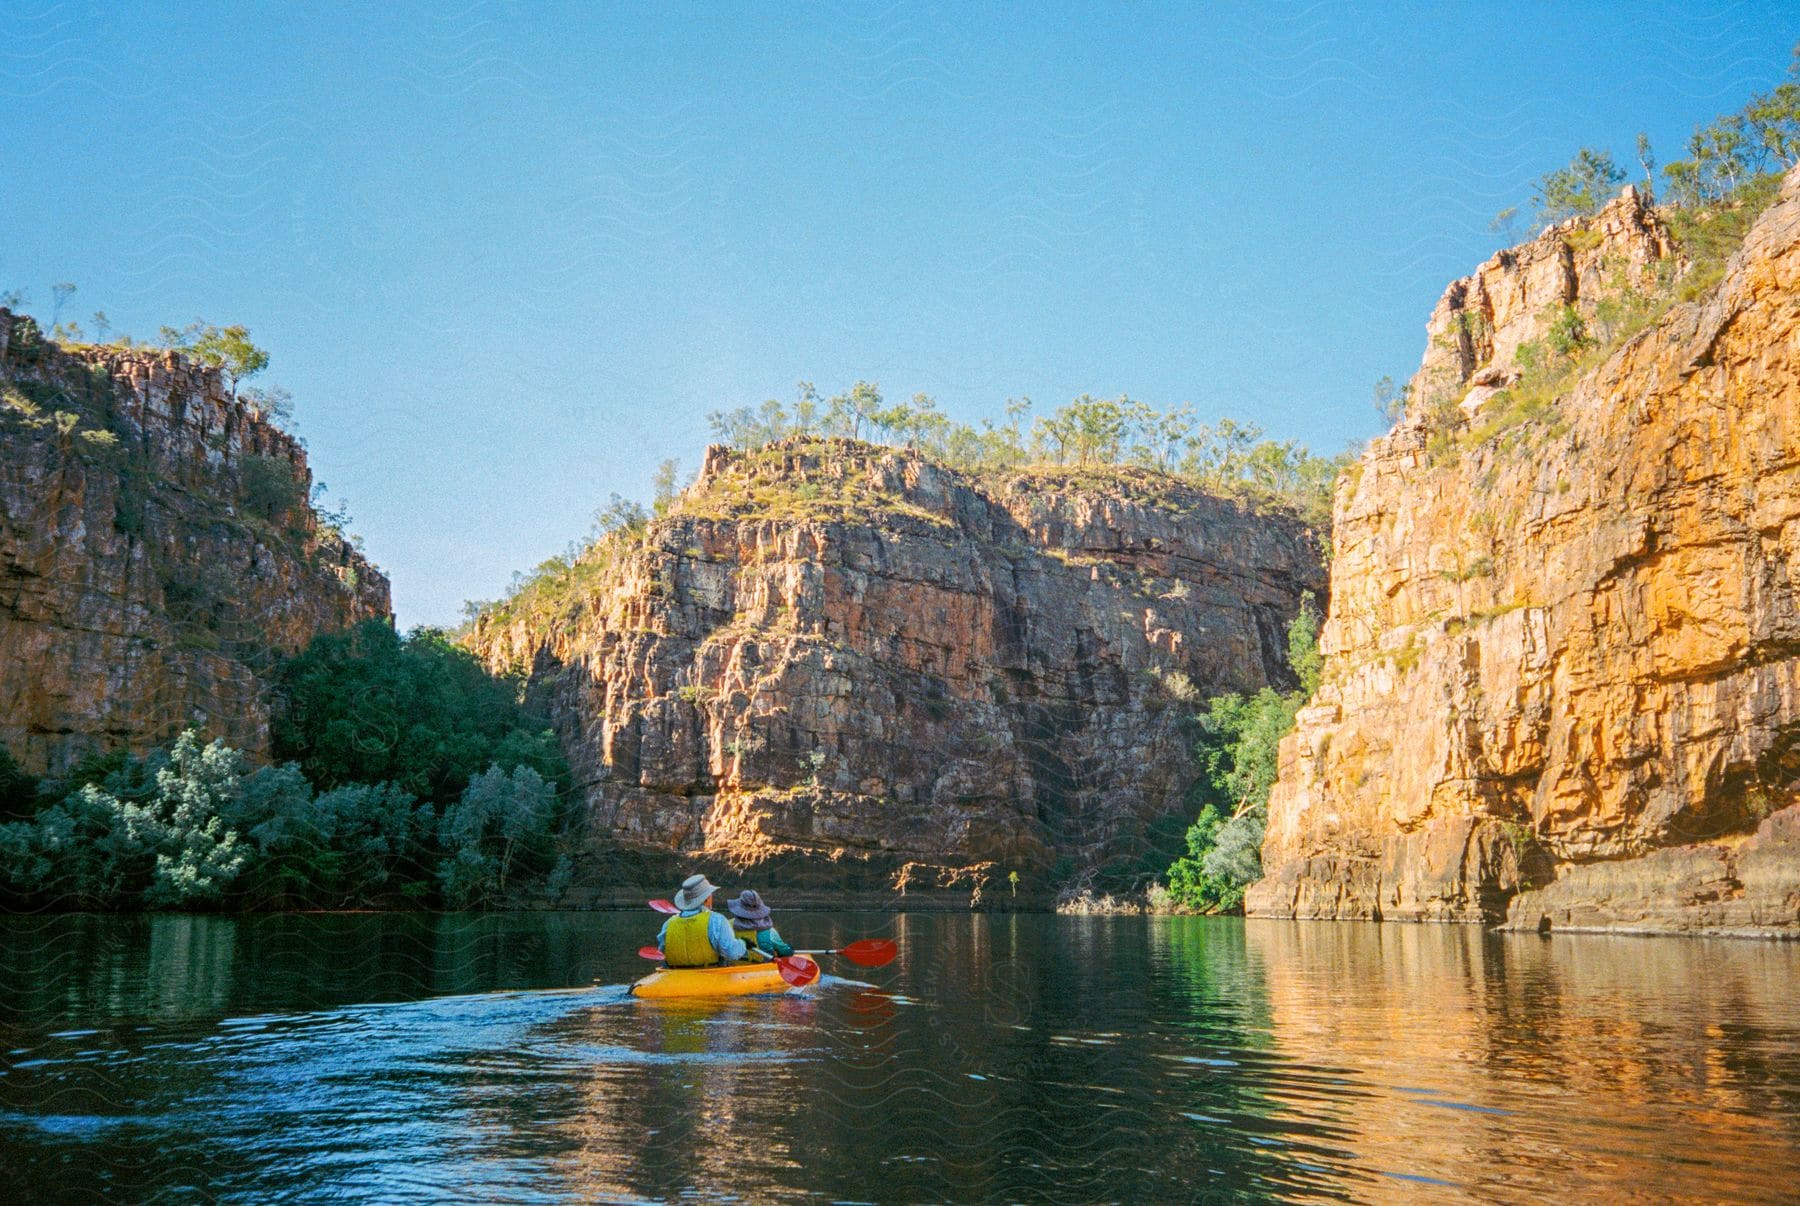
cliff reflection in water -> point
(1580, 1065)
(1000, 1057)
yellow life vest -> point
(685, 943)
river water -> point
(1000, 1057)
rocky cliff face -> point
(157, 553)
(1475, 334)
(1563, 652)
(841, 664)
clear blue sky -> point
(507, 257)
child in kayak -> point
(698, 937)
(750, 923)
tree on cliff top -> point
(1227, 457)
(227, 349)
(1581, 188)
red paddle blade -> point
(798, 971)
(871, 952)
(650, 952)
(664, 906)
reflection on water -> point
(1000, 1057)
(1608, 1065)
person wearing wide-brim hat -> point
(697, 936)
(750, 922)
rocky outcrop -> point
(157, 553)
(1474, 335)
(1562, 684)
(835, 663)
(1724, 888)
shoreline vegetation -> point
(405, 775)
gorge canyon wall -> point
(840, 665)
(158, 553)
(1562, 686)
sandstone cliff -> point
(1563, 649)
(843, 664)
(157, 552)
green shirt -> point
(768, 941)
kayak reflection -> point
(712, 1094)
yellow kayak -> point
(731, 980)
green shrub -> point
(271, 489)
(1238, 748)
(197, 854)
(197, 599)
(132, 503)
(1710, 234)
(349, 845)
(194, 827)
(18, 789)
(502, 823)
(420, 712)
(153, 835)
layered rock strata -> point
(157, 553)
(846, 665)
(1562, 686)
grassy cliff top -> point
(809, 479)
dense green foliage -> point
(501, 823)
(18, 790)
(194, 827)
(419, 711)
(413, 778)
(1240, 735)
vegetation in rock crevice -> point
(1240, 736)
(1710, 201)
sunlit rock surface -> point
(1563, 661)
(843, 664)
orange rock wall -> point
(1563, 663)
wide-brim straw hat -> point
(750, 907)
(694, 891)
